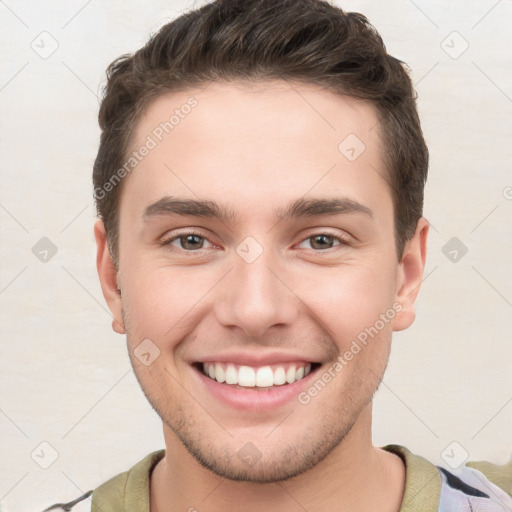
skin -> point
(256, 149)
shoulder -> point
(500, 475)
(476, 485)
(110, 495)
(126, 491)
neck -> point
(354, 476)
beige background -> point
(65, 376)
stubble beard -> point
(286, 460)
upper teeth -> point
(263, 376)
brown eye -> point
(189, 242)
(323, 241)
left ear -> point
(410, 275)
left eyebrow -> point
(322, 206)
(299, 208)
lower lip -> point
(250, 399)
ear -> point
(410, 275)
(108, 277)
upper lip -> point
(256, 359)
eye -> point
(189, 242)
(193, 241)
(324, 241)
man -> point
(259, 185)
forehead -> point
(283, 111)
(256, 144)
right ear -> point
(107, 273)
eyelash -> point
(343, 241)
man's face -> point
(255, 289)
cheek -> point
(162, 302)
(166, 303)
(348, 301)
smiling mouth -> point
(256, 378)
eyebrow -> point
(300, 208)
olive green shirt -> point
(428, 488)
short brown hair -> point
(309, 41)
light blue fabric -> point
(456, 498)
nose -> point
(255, 296)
